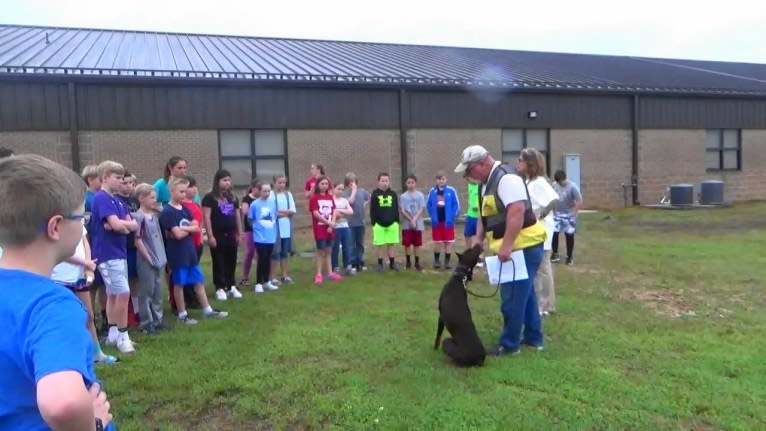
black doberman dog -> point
(464, 347)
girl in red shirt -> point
(322, 206)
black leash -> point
(497, 287)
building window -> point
(250, 154)
(515, 140)
(724, 150)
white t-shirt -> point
(66, 272)
(541, 194)
(510, 189)
(341, 220)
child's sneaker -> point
(258, 288)
(186, 320)
(235, 293)
(270, 286)
(437, 265)
(287, 280)
(334, 276)
(220, 295)
(276, 282)
(350, 270)
(106, 359)
(318, 279)
(216, 314)
(408, 265)
(555, 258)
(418, 267)
(124, 345)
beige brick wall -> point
(668, 157)
(53, 145)
(431, 150)
(605, 163)
(365, 152)
(144, 153)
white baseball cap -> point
(472, 154)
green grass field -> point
(661, 326)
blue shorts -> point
(323, 244)
(282, 249)
(190, 275)
(470, 226)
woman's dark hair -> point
(559, 176)
(169, 165)
(319, 180)
(221, 173)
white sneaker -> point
(124, 345)
(110, 341)
(235, 293)
(220, 295)
(270, 286)
(259, 288)
(276, 282)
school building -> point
(624, 127)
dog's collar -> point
(461, 272)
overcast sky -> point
(733, 30)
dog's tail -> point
(439, 331)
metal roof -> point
(135, 54)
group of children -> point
(338, 222)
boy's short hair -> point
(109, 167)
(383, 174)
(411, 177)
(127, 176)
(560, 175)
(39, 189)
(441, 174)
(349, 178)
(143, 190)
(88, 172)
(192, 180)
(178, 181)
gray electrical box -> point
(572, 168)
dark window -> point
(250, 154)
(724, 150)
(515, 140)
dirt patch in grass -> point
(668, 303)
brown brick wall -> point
(668, 157)
(665, 157)
(53, 145)
(364, 152)
(144, 153)
(605, 163)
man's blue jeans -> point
(519, 306)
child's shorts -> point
(190, 275)
(323, 244)
(115, 275)
(385, 235)
(76, 287)
(443, 233)
(412, 237)
(470, 226)
(281, 249)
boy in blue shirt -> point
(46, 358)
(178, 224)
